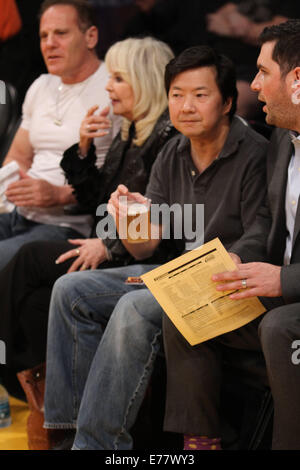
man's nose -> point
(49, 41)
(188, 105)
(256, 85)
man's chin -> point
(53, 70)
(269, 119)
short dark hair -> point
(286, 36)
(205, 56)
(85, 11)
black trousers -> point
(25, 291)
(195, 374)
(280, 338)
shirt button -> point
(293, 202)
(193, 172)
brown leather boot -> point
(33, 383)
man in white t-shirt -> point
(53, 109)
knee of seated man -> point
(134, 324)
(64, 284)
(28, 248)
(139, 306)
(277, 323)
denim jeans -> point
(16, 230)
(103, 338)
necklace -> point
(58, 118)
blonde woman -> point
(137, 93)
(136, 89)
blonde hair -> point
(141, 63)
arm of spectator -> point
(145, 5)
(243, 28)
(226, 9)
(35, 192)
(252, 32)
(228, 21)
(30, 191)
(218, 22)
(138, 250)
(20, 150)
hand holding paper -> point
(262, 279)
(185, 290)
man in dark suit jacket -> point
(268, 255)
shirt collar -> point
(295, 137)
(236, 134)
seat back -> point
(9, 117)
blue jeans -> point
(16, 230)
(103, 338)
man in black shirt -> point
(218, 162)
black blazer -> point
(266, 239)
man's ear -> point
(297, 73)
(91, 36)
(295, 97)
(227, 105)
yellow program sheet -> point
(184, 289)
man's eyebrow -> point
(56, 30)
(194, 89)
(261, 66)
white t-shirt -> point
(47, 101)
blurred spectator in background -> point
(112, 16)
(231, 27)
(53, 109)
(180, 24)
(235, 28)
(20, 58)
(10, 20)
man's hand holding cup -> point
(131, 212)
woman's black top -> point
(125, 163)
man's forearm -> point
(24, 165)
(20, 150)
(252, 34)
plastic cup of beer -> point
(138, 221)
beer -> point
(138, 222)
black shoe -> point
(67, 441)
